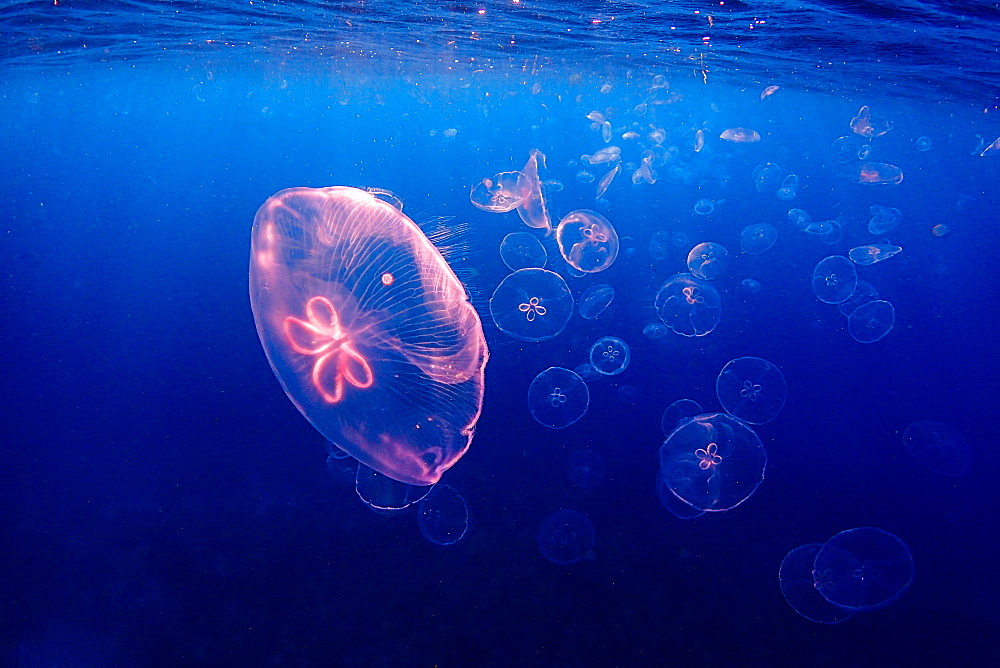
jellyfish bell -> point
(368, 330)
(501, 193)
(740, 135)
(532, 209)
(874, 174)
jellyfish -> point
(740, 136)
(587, 241)
(755, 239)
(708, 260)
(586, 469)
(864, 292)
(368, 330)
(834, 279)
(874, 174)
(788, 188)
(504, 192)
(566, 537)
(610, 355)
(704, 207)
(884, 219)
(866, 255)
(532, 209)
(770, 90)
(798, 586)
(938, 446)
(443, 516)
(868, 124)
(558, 397)
(751, 389)
(594, 300)
(532, 305)
(872, 321)
(678, 412)
(654, 330)
(767, 177)
(863, 569)
(659, 245)
(520, 250)
(799, 218)
(688, 306)
(606, 180)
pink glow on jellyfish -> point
(532, 208)
(531, 309)
(368, 330)
(692, 296)
(708, 457)
(587, 241)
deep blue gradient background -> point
(164, 503)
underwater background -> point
(164, 502)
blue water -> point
(164, 503)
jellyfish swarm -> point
(368, 329)
(713, 462)
(587, 241)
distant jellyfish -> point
(789, 187)
(583, 176)
(520, 250)
(386, 495)
(863, 569)
(443, 516)
(834, 279)
(755, 239)
(884, 219)
(864, 152)
(767, 177)
(587, 241)
(704, 206)
(799, 218)
(680, 239)
(872, 321)
(740, 135)
(868, 124)
(940, 230)
(504, 192)
(532, 305)
(795, 577)
(659, 245)
(770, 90)
(864, 292)
(678, 412)
(679, 509)
(872, 253)
(819, 228)
(586, 469)
(610, 355)
(833, 234)
(688, 306)
(558, 397)
(751, 285)
(654, 330)
(938, 446)
(845, 149)
(605, 182)
(566, 537)
(751, 389)
(368, 329)
(713, 462)
(874, 174)
(551, 186)
(532, 209)
(708, 260)
(595, 299)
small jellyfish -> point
(865, 292)
(755, 239)
(520, 250)
(870, 322)
(551, 186)
(844, 149)
(654, 330)
(595, 299)
(688, 306)
(680, 411)
(767, 177)
(606, 132)
(659, 245)
(595, 116)
(868, 124)
(443, 515)
(751, 389)
(789, 188)
(704, 207)
(833, 234)
(751, 285)
(708, 260)
(799, 218)
(769, 91)
(587, 371)
(938, 446)
(386, 495)
(866, 255)
(699, 141)
(740, 135)
(532, 304)
(940, 230)
(834, 279)
(864, 152)
(504, 192)
(587, 241)
(583, 176)
(713, 462)
(680, 239)
(863, 569)
(606, 180)
(533, 211)
(874, 174)
(610, 355)
(586, 469)
(798, 586)
(558, 397)
(819, 227)
(566, 537)
(884, 219)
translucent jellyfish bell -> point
(566, 537)
(532, 305)
(610, 355)
(595, 299)
(677, 412)
(587, 241)
(799, 587)
(834, 279)
(863, 569)
(558, 397)
(708, 260)
(872, 321)
(751, 389)
(521, 250)
(756, 239)
(504, 192)
(443, 516)
(688, 306)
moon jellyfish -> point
(520, 250)
(884, 219)
(679, 509)
(443, 516)
(386, 495)
(751, 389)
(610, 355)
(940, 230)
(866, 255)
(833, 234)
(595, 299)
(688, 306)
(654, 330)
(755, 239)
(767, 177)
(740, 135)
(532, 209)
(583, 176)
(558, 397)
(795, 578)
(751, 285)
(586, 469)
(368, 329)
(834, 279)
(865, 292)
(844, 150)
(870, 322)
(504, 192)
(551, 186)
(875, 174)
(770, 90)
(713, 462)
(789, 187)
(587, 241)
(708, 260)
(659, 245)
(938, 446)
(863, 569)
(799, 218)
(566, 537)
(868, 124)
(532, 305)
(704, 206)
(605, 183)
(864, 152)
(677, 412)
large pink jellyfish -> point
(368, 329)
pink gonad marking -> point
(336, 358)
